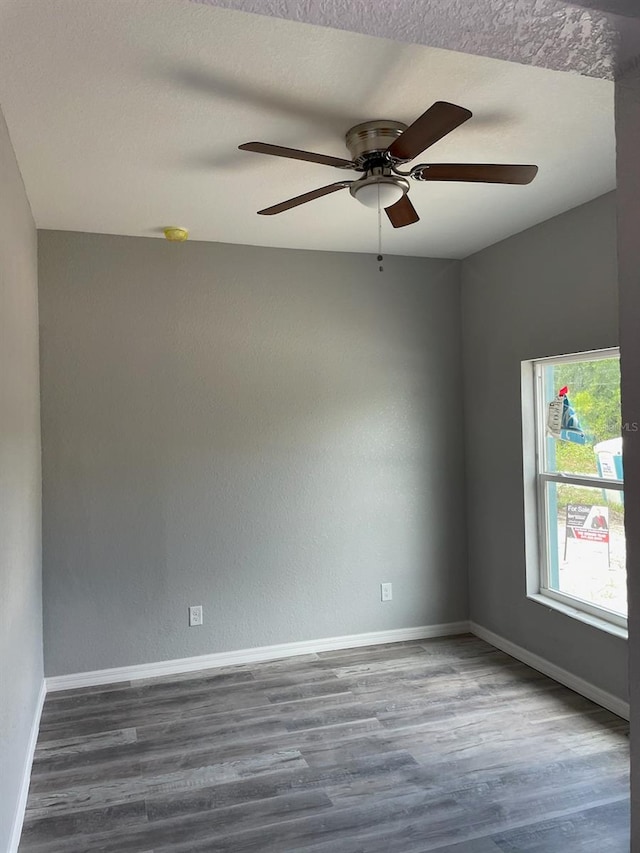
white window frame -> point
(540, 588)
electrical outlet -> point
(386, 592)
(195, 615)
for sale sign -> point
(587, 522)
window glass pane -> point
(587, 545)
(594, 394)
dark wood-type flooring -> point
(444, 744)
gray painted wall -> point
(20, 542)
(547, 291)
(628, 142)
(268, 433)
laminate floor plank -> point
(602, 829)
(442, 745)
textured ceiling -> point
(127, 116)
(534, 32)
(598, 38)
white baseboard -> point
(305, 647)
(585, 688)
(16, 832)
(254, 655)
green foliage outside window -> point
(594, 393)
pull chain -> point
(380, 268)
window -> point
(579, 499)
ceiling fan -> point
(378, 147)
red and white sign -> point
(587, 522)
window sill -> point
(580, 615)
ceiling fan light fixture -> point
(378, 147)
(383, 190)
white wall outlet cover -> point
(386, 591)
(195, 615)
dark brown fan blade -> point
(487, 173)
(402, 213)
(296, 154)
(438, 120)
(303, 199)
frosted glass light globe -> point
(389, 193)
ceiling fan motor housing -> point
(369, 141)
